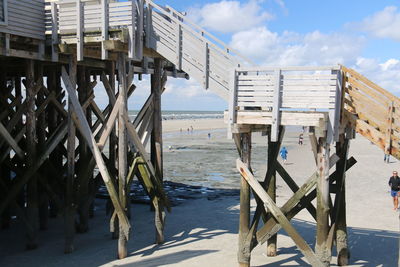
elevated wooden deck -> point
(275, 96)
(83, 41)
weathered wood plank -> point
(278, 215)
(86, 132)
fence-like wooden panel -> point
(373, 111)
(267, 95)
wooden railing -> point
(271, 91)
(372, 111)
(66, 18)
(192, 49)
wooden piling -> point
(54, 119)
(32, 212)
(122, 151)
(70, 206)
(4, 170)
(113, 143)
(83, 177)
(244, 218)
(321, 248)
(271, 190)
(156, 143)
(343, 253)
(41, 134)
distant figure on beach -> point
(284, 154)
(301, 139)
(181, 130)
(209, 135)
(394, 183)
(188, 130)
(386, 158)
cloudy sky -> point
(361, 34)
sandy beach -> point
(203, 231)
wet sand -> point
(203, 231)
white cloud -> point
(183, 88)
(382, 24)
(386, 74)
(289, 48)
(230, 16)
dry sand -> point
(203, 232)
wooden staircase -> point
(372, 111)
(192, 49)
(367, 107)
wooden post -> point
(113, 142)
(41, 133)
(70, 206)
(4, 172)
(323, 197)
(122, 150)
(271, 190)
(388, 139)
(83, 177)
(244, 219)
(341, 224)
(32, 212)
(156, 143)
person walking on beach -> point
(386, 158)
(394, 183)
(301, 139)
(284, 154)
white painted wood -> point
(132, 35)
(276, 107)
(104, 27)
(232, 102)
(79, 29)
(139, 46)
(54, 33)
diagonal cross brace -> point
(271, 227)
(91, 142)
(278, 214)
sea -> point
(184, 114)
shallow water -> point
(196, 160)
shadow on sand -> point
(207, 220)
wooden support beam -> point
(32, 211)
(51, 144)
(86, 131)
(244, 252)
(294, 187)
(323, 198)
(273, 148)
(157, 143)
(11, 141)
(296, 203)
(278, 215)
(340, 223)
(122, 151)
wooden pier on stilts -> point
(53, 134)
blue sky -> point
(362, 34)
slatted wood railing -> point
(192, 49)
(373, 111)
(286, 96)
